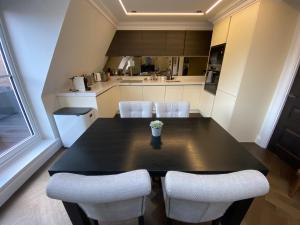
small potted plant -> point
(156, 127)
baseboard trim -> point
(10, 187)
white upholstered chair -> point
(195, 198)
(104, 198)
(172, 109)
(135, 109)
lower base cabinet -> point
(174, 93)
(154, 93)
(107, 103)
(131, 93)
(223, 108)
(207, 103)
(192, 94)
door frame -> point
(284, 85)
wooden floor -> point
(13, 129)
(30, 206)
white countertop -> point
(100, 87)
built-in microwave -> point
(215, 61)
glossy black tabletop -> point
(197, 145)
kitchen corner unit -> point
(105, 96)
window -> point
(15, 127)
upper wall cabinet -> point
(197, 43)
(152, 43)
(174, 43)
(239, 41)
(160, 43)
(125, 43)
(220, 32)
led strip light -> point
(168, 14)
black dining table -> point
(194, 145)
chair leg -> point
(296, 185)
(94, 222)
(141, 220)
(215, 222)
(169, 221)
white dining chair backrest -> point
(195, 198)
(103, 198)
(172, 109)
(135, 109)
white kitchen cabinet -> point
(239, 40)
(220, 32)
(174, 93)
(107, 103)
(206, 103)
(77, 101)
(154, 93)
(191, 94)
(131, 93)
(257, 45)
(223, 108)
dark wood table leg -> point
(141, 220)
(236, 212)
(295, 185)
(76, 214)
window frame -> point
(22, 99)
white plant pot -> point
(156, 132)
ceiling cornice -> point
(165, 26)
(105, 12)
(231, 9)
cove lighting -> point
(213, 6)
(158, 13)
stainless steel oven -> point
(215, 61)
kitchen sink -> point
(131, 81)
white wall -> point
(270, 45)
(52, 40)
(84, 39)
(33, 28)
